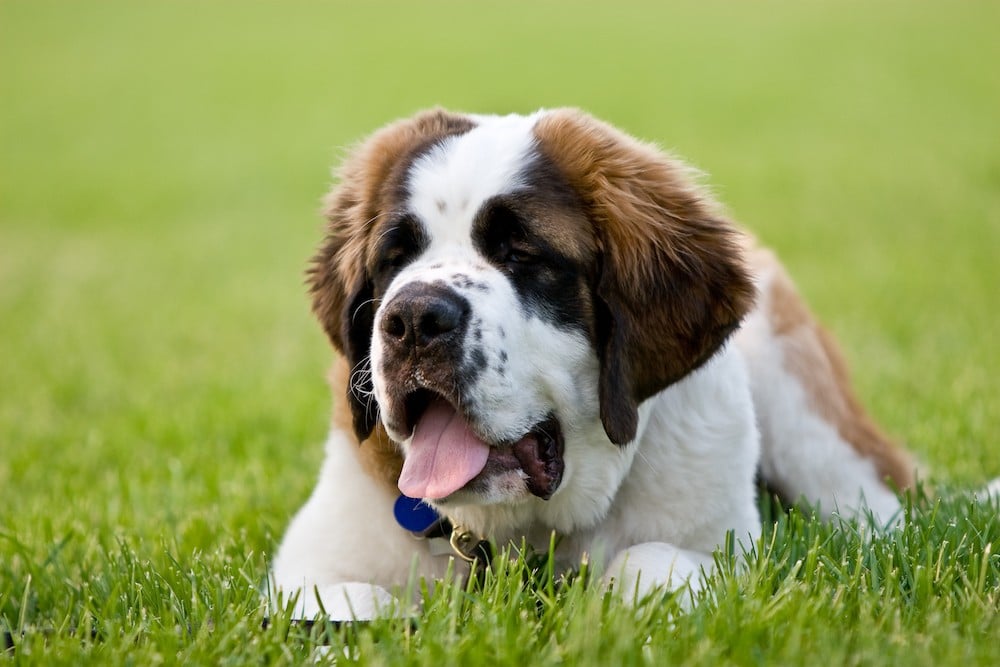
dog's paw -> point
(350, 601)
(641, 569)
(992, 490)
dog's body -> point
(547, 327)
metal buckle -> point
(468, 546)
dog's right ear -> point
(672, 285)
(342, 297)
(371, 181)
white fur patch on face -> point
(450, 183)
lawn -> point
(162, 394)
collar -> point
(444, 537)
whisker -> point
(361, 305)
(377, 216)
(360, 377)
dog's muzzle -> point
(427, 399)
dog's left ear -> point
(672, 285)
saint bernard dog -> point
(546, 326)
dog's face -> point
(508, 290)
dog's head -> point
(508, 290)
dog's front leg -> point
(344, 552)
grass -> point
(162, 403)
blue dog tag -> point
(414, 514)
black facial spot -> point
(550, 284)
(477, 358)
(501, 366)
(462, 280)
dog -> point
(546, 326)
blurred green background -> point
(161, 166)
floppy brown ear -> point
(342, 300)
(671, 283)
(338, 278)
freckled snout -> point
(422, 329)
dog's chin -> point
(504, 488)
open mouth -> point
(446, 454)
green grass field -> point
(162, 401)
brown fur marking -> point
(812, 356)
(672, 275)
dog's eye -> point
(505, 239)
(399, 244)
(393, 258)
(517, 255)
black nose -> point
(422, 313)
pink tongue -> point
(444, 454)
